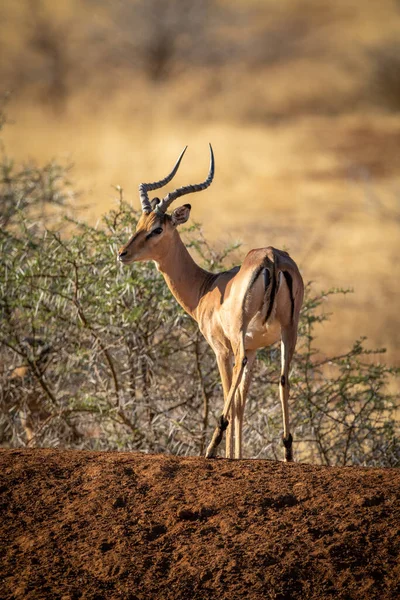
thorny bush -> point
(99, 356)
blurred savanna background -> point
(299, 98)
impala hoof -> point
(211, 452)
(287, 442)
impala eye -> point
(155, 231)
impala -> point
(237, 311)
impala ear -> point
(181, 215)
(154, 202)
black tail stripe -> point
(271, 296)
(267, 278)
(254, 278)
(289, 281)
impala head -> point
(156, 228)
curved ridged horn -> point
(148, 187)
(188, 189)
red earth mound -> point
(133, 526)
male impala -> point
(238, 311)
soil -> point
(93, 525)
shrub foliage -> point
(97, 355)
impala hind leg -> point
(230, 433)
(288, 344)
(223, 422)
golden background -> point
(300, 100)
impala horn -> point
(187, 189)
(147, 187)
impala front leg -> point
(240, 401)
(224, 356)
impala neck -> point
(187, 281)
